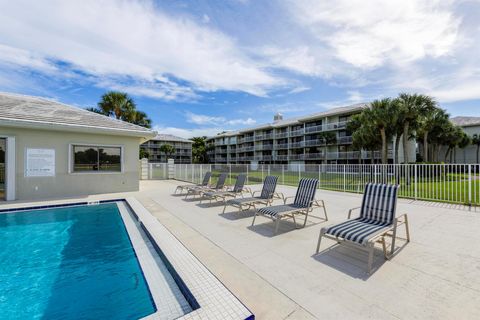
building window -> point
(96, 159)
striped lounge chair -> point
(266, 196)
(206, 180)
(238, 189)
(200, 190)
(376, 221)
(303, 204)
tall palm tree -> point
(139, 118)
(476, 141)
(117, 104)
(412, 107)
(381, 115)
(364, 135)
(434, 118)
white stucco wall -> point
(65, 184)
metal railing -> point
(451, 183)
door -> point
(3, 148)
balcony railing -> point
(299, 144)
(318, 155)
(296, 157)
(264, 147)
(313, 129)
(336, 125)
(314, 142)
(343, 140)
(281, 135)
(264, 137)
(281, 146)
(281, 157)
(295, 133)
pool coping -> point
(215, 301)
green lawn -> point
(446, 188)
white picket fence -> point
(452, 183)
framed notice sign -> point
(40, 163)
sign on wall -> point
(40, 163)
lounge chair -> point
(206, 180)
(238, 189)
(201, 189)
(303, 204)
(377, 220)
(266, 196)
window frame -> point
(71, 159)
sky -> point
(202, 67)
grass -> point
(450, 188)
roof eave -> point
(75, 128)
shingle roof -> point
(20, 110)
(466, 121)
(170, 137)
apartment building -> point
(313, 139)
(183, 149)
(471, 126)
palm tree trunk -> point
(447, 153)
(405, 142)
(478, 153)
(397, 146)
(425, 146)
(384, 146)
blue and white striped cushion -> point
(306, 192)
(379, 203)
(221, 181)
(357, 230)
(269, 186)
(278, 211)
(206, 178)
(240, 183)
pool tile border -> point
(215, 301)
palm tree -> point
(120, 106)
(412, 107)
(381, 115)
(432, 119)
(117, 104)
(167, 149)
(364, 136)
(476, 141)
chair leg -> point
(224, 207)
(277, 223)
(319, 240)
(306, 217)
(370, 258)
(407, 228)
(325, 210)
(254, 217)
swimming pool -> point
(76, 262)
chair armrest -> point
(255, 192)
(350, 211)
(247, 189)
(279, 195)
(286, 198)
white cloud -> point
(110, 38)
(369, 34)
(201, 119)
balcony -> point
(343, 155)
(264, 147)
(264, 158)
(296, 157)
(296, 133)
(310, 156)
(336, 125)
(264, 137)
(281, 146)
(299, 144)
(282, 157)
(249, 139)
(345, 140)
(281, 135)
(314, 129)
(314, 142)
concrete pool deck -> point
(435, 276)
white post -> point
(416, 181)
(470, 185)
(171, 168)
(247, 172)
(319, 176)
(344, 178)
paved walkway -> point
(436, 276)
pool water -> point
(70, 263)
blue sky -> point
(200, 67)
